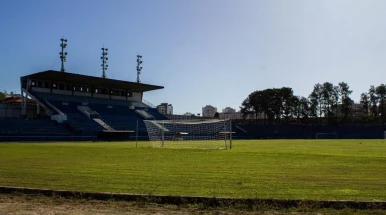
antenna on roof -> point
(63, 55)
(139, 67)
(104, 61)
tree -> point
(3, 95)
(296, 108)
(346, 102)
(304, 107)
(257, 100)
(287, 102)
(216, 115)
(327, 96)
(365, 100)
(252, 104)
(189, 114)
(316, 100)
(246, 108)
(381, 93)
(335, 100)
(373, 101)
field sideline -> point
(283, 169)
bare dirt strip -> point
(21, 204)
(44, 201)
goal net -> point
(332, 135)
(210, 134)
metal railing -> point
(148, 103)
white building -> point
(229, 110)
(165, 108)
(208, 111)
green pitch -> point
(285, 169)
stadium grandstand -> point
(68, 106)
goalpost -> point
(332, 135)
(209, 134)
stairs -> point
(103, 124)
(88, 112)
(241, 129)
(144, 114)
(160, 126)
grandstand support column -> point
(38, 109)
(23, 105)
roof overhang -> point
(85, 80)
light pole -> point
(63, 55)
(104, 61)
(139, 67)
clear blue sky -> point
(203, 51)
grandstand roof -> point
(78, 79)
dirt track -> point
(22, 204)
(34, 205)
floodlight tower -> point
(63, 55)
(104, 61)
(139, 67)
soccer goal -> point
(332, 135)
(209, 134)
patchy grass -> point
(282, 169)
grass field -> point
(284, 169)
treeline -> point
(326, 103)
(3, 94)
